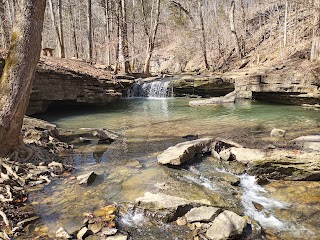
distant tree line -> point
(123, 34)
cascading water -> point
(154, 89)
(253, 193)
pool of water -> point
(128, 168)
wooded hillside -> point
(176, 35)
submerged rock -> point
(184, 151)
(227, 225)
(104, 135)
(87, 178)
(229, 98)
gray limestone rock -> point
(228, 224)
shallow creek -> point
(128, 168)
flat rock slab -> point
(227, 225)
(167, 208)
(161, 201)
(202, 214)
(184, 151)
(229, 98)
(311, 142)
(246, 155)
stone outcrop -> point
(62, 81)
(185, 151)
(280, 84)
(62, 85)
(208, 86)
(229, 98)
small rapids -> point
(253, 193)
(154, 89)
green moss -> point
(10, 62)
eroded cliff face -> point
(293, 82)
(72, 85)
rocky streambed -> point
(248, 184)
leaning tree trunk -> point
(233, 29)
(315, 49)
(18, 73)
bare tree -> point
(315, 49)
(151, 33)
(203, 34)
(56, 27)
(17, 78)
(75, 42)
(124, 45)
(62, 48)
(233, 29)
(89, 29)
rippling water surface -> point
(127, 168)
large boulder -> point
(246, 155)
(184, 151)
(229, 98)
(227, 225)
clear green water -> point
(127, 168)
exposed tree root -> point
(28, 153)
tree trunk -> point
(89, 29)
(74, 37)
(233, 30)
(124, 37)
(285, 25)
(203, 34)
(315, 49)
(5, 25)
(108, 37)
(151, 35)
(17, 78)
(133, 35)
(55, 26)
(62, 49)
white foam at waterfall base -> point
(252, 192)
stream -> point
(128, 168)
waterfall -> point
(154, 89)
